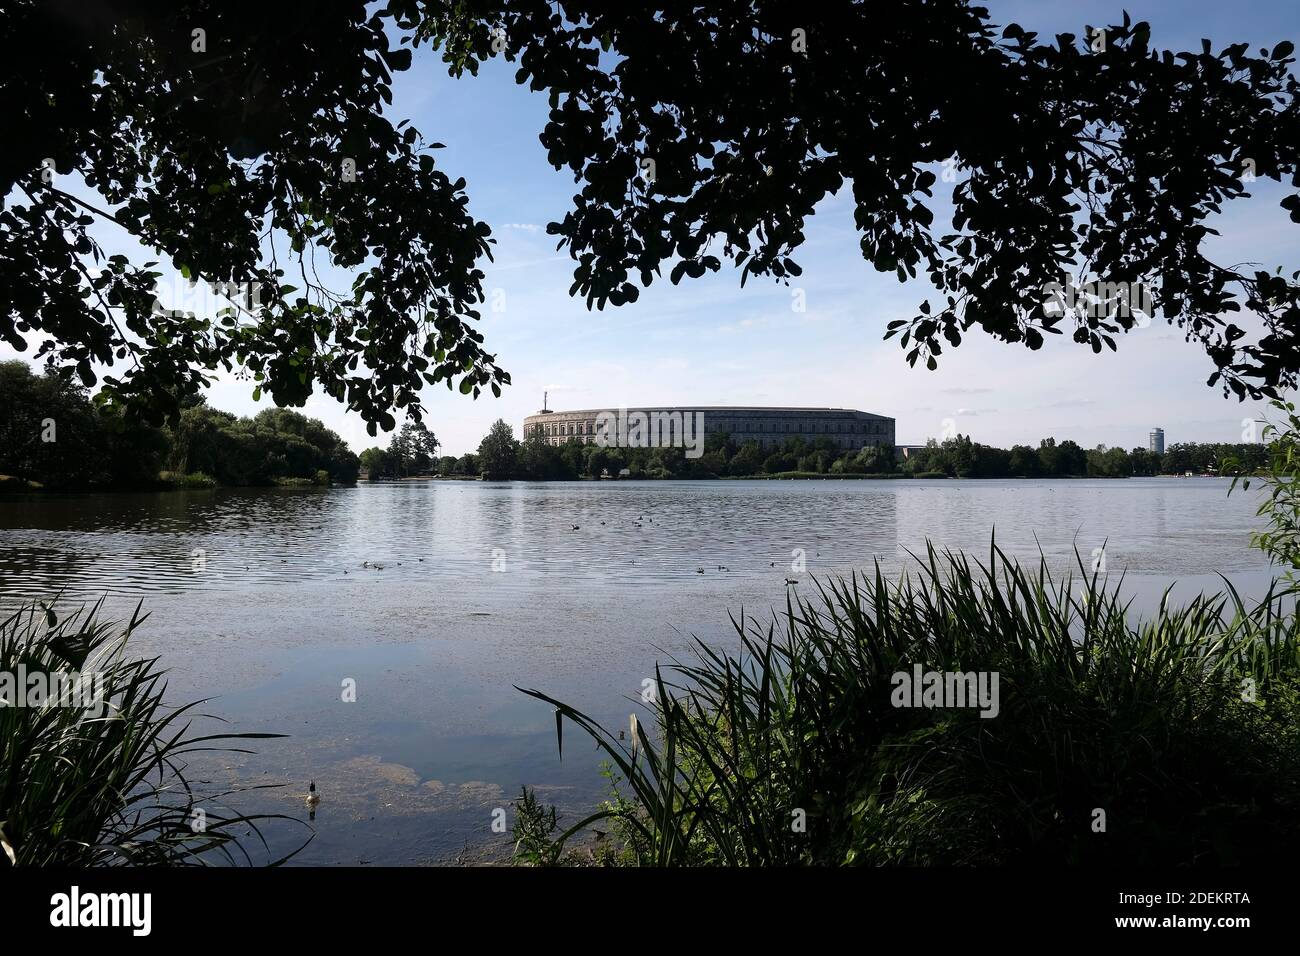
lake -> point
(438, 598)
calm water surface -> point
(262, 600)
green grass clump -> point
(194, 480)
(1171, 741)
(104, 785)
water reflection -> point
(486, 586)
(627, 534)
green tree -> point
(378, 463)
(412, 449)
(572, 458)
(276, 443)
(498, 452)
(992, 462)
(747, 461)
(1071, 460)
(52, 433)
(1050, 457)
(709, 465)
(667, 463)
(742, 108)
(1178, 459)
(274, 119)
(399, 450)
(960, 456)
(47, 429)
(720, 442)
(1106, 462)
(1280, 506)
(1144, 462)
(279, 128)
(1024, 462)
(779, 461)
(597, 461)
(538, 459)
(424, 447)
(873, 459)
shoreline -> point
(12, 487)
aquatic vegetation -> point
(194, 480)
(1170, 740)
(98, 778)
(1280, 480)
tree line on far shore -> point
(53, 434)
(960, 457)
(501, 456)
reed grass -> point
(108, 786)
(1170, 740)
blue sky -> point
(708, 341)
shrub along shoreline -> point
(93, 757)
(54, 437)
(1169, 741)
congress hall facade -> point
(845, 428)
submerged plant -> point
(1169, 740)
(95, 774)
(536, 842)
(533, 829)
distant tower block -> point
(1156, 441)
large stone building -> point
(845, 428)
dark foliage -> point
(1169, 741)
(695, 135)
(53, 434)
(1093, 155)
(266, 125)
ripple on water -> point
(263, 599)
(628, 534)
